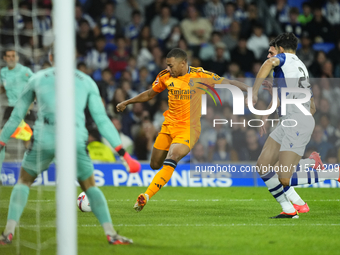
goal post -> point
(64, 47)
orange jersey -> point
(182, 94)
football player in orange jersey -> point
(178, 134)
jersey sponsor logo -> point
(182, 94)
(171, 84)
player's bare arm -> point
(312, 106)
(242, 86)
(265, 70)
(141, 98)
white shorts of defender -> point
(294, 138)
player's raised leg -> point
(18, 201)
(176, 152)
(268, 157)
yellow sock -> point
(162, 177)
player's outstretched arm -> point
(265, 70)
(240, 85)
(108, 130)
(141, 98)
(19, 112)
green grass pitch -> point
(186, 221)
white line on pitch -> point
(193, 200)
(186, 225)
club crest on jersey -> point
(216, 77)
(191, 83)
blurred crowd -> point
(122, 45)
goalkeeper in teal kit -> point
(37, 159)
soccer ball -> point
(83, 203)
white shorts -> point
(294, 138)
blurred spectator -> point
(218, 63)
(198, 154)
(332, 157)
(142, 41)
(131, 118)
(332, 12)
(162, 24)
(155, 65)
(240, 13)
(97, 150)
(132, 68)
(120, 57)
(182, 44)
(327, 127)
(208, 51)
(253, 149)
(334, 56)
(133, 29)
(119, 96)
(84, 38)
(306, 16)
(145, 53)
(213, 9)
(242, 55)
(238, 133)
(319, 28)
(43, 22)
(325, 108)
(306, 53)
(173, 38)
(196, 30)
(316, 67)
(108, 23)
(335, 139)
(222, 150)
(293, 25)
(233, 71)
(143, 81)
(144, 140)
(232, 37)
(327, 69)
(80, 15)
(252, 19)
(106, 85)
(280, 11)
(153, 10)
(258, 42)
(223, 21)
(158, 117)
(97, 58)
(126, 141)
(125, 8)
(316, 141)
(126, 86)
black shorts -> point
(30, 117)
